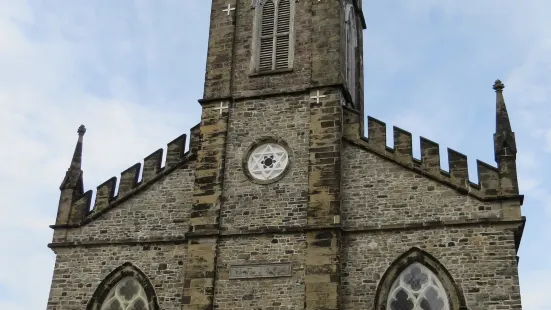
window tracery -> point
(128, 294)
(416, 280)
(268, 161)
(126, 288)
(417, 288)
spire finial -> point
(81, 130)
(504, 138)
(498, 85)
(505, 148)
(73, 176)
(502, 117)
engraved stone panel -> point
(260, 271)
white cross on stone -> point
(221, 107)
(229, 9)
(317, 96)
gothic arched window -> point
(128, 294)
(417, 288)
(273, 48)
(417, 281)
(351, 47)
(126, 288)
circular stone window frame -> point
(260, 142)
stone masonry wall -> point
(377, 192)
(78, 272)
(481, 261)
(283, 293)
(158, 212)
(243, 83)
(248, 205)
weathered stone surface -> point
(261, 293)
(260, 271)
(248, 205)
(481, 261)
(79, 271)
(159, 212)
(377, 192)
(321, 236)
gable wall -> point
(158, 212)
(377, 192)
(380, 199)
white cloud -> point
(63, 66)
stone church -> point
(280, 202)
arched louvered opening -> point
(283, 34)
(417, 281)
(275, 35)
(267, 36)
(351, 50)
(126, 288)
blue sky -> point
(132, 72)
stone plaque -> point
(260, 271)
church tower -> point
(279, 73)
(281, 202)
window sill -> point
(271, 72)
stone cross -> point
(317, 96)
(222, 107)
(229, 9)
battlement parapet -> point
(130, 183)
(487, 188)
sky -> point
(132, 72)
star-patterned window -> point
(417, 288)
(267, 161)
(128, 294)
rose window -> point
(128, 294)
(267, 161)
(417, 288)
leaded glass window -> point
(417, 288)
(127, 294)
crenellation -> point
(194, 141)
(459, 170)
(376, 134)
(488, 179)
(129, 179)
(175, 151)
(352, 123)
(105, 194)
(402, 146)
(488, 186)
(430, 156)
(152, 165)
(81, 207)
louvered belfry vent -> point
(275, 35)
